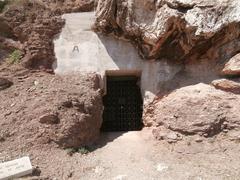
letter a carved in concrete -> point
(75, 48)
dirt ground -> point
(114, 156)
(136, 155)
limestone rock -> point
(227, 85)
(164, 134)
(198, 109)
(232, 67)
(5, 83)
(198, 139)
(174, 29)
(49, 119)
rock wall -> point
(179, 30)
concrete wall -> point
(79, 49)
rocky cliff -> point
(178, 30)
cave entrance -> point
(123, 104)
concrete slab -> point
(15, 169)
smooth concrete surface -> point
(78, 49)
(15, 169)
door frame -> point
(137, 73)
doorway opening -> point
(123, 103)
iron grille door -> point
(122, 105)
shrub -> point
(81, 150)
(15, 57)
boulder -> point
(49, 119)
(165, 134)
(173, 29)
(227, 85)
(232, 67)
(198, 109)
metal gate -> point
(123, 104)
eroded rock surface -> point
(174, 29)
(49, 119)
(198, 109)
(227, 85)
(232, 67)
(34, 26)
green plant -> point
(15, 57)
(81, 150)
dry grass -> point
(15, 57)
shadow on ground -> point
(104, 139)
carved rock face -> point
(172, 29)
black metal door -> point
(122, 105)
